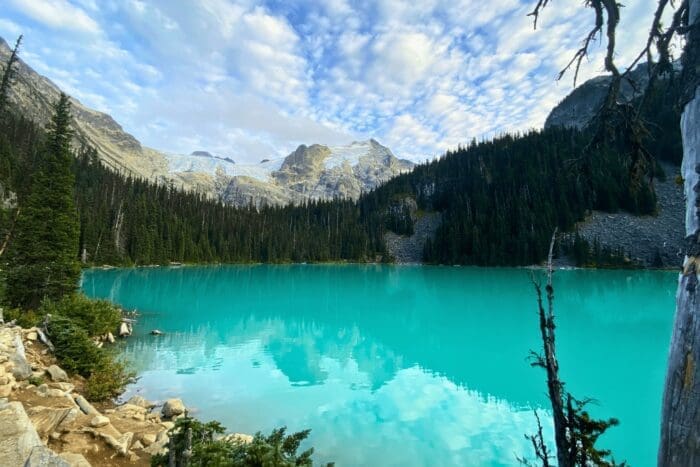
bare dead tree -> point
(680, 418)
(575, 432)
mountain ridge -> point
(305, 174)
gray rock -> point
(124, 330)
(22, 370)
(173, 408)
(647, 240)
(85, 406)
(45, 391)
(57, 374)
(99, 421)
(140, 402)
(68, 419)
(409, 249)
(41, 456)
(148, 439)
(18, 437)
(581, 105)
(47, 419)
(159, 446)
(65, 387)
(74, 460)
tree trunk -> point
(680, 416)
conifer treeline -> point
(499, 199)
(124, 220)
(131, 220)
(502, 199)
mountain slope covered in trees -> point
(499, 201)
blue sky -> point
(252, 80)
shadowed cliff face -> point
(310, 172)
(580, 106)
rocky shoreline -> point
(46, 421)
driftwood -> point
(43, 331)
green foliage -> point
(584, 432)
(108, 379)
(8, 74)
(130, 221)
(36, 380)
(74, 348)
(399, 219)
(596, 256)
(201, 444)
(77, 353)
(97, 317)
(43, 261)
(25, 319)
(499, 202)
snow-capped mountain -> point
(310, 172)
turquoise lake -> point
(397, 365)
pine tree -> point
(8, 75)
(44, 259)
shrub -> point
(74, 348)
(36, 380)
(77, 353)
(275, 450)
(97, 317)
(25, 319)
(108, 381)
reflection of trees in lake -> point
(381, 318)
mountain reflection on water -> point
(396, 365)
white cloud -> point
(59, 14)
(237, 74)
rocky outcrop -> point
(42, 456)
(172, 408)
(52, 424)
(57, 374)
(409, 249)
(650, 241)
(312, 172)
(580, 106)
(18, 437)
(34, 95)
(21, 369)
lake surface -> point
(397, 365)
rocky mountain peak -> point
(315, 171)
(580, 106)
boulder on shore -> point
(85, 406)
(139, 401)
(57, 374)
(173, 408)
(99, 421)
(21, 370)
(18, 437)
(41, 456)
(124, 330)
(75, 460)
